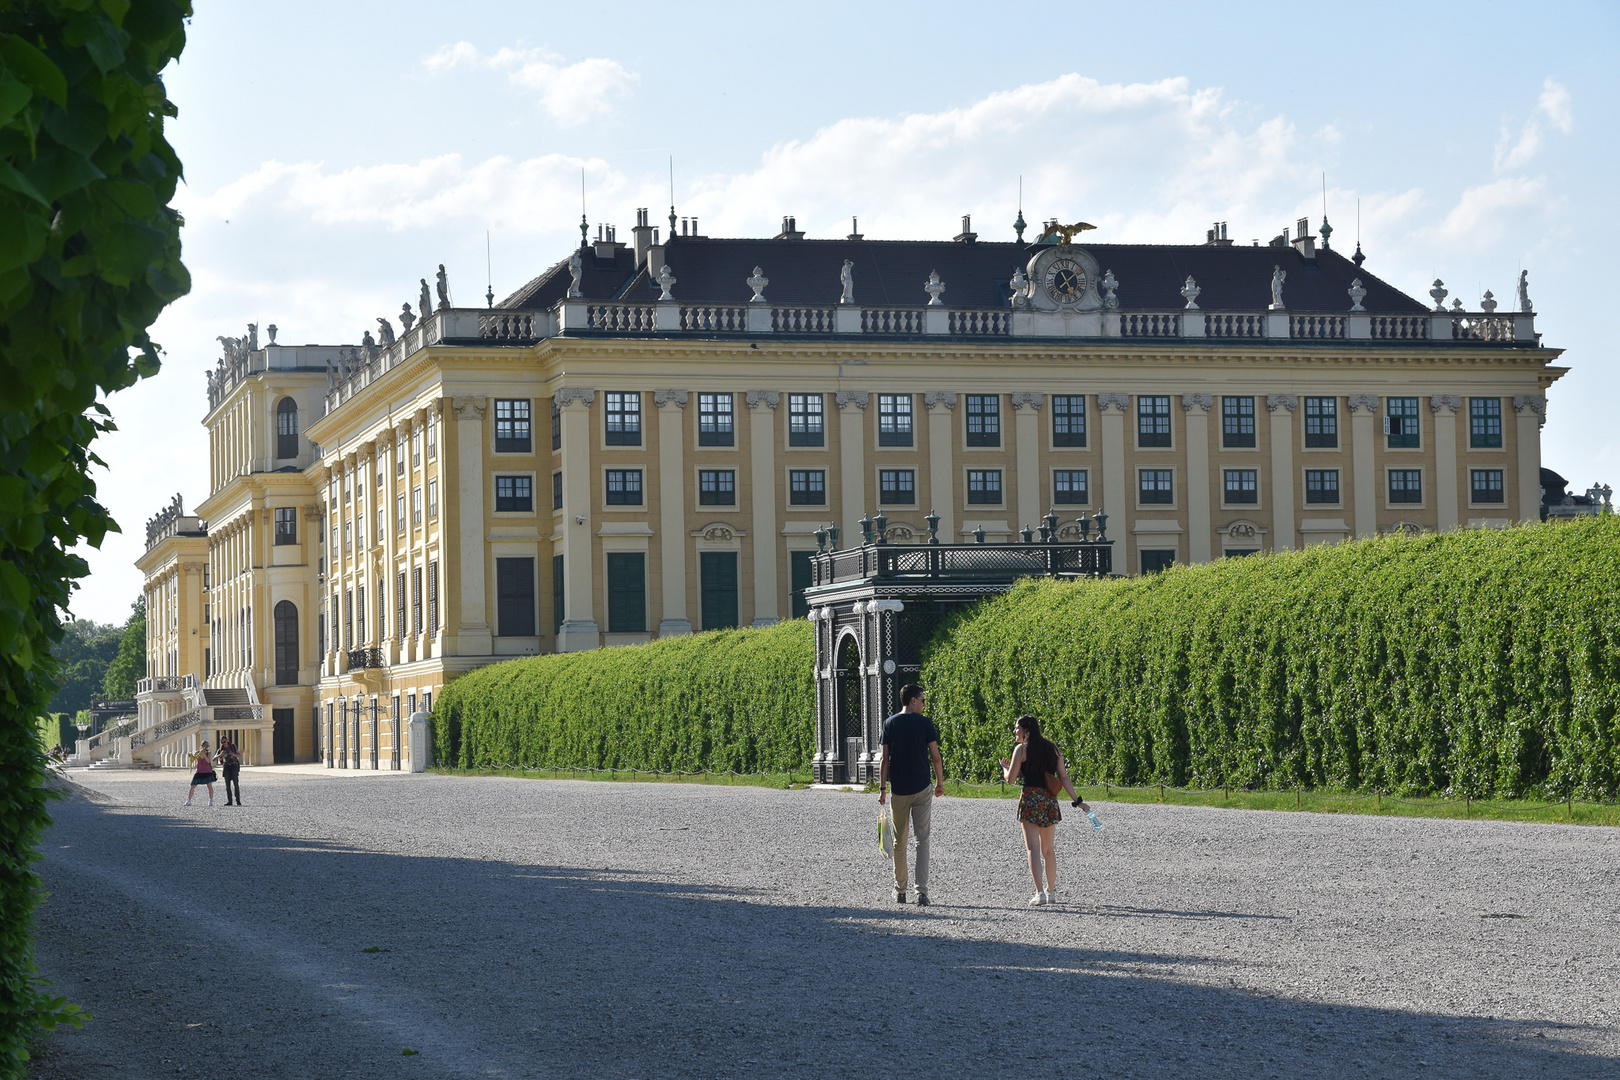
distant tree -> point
(84, 653)
(89, 257)
(129, 666)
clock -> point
(1065, 281)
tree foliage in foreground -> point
(1480, 662)
(89, 255)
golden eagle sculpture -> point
(1067, 232)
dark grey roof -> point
(976, 275)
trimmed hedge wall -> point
(742, 700)
(1485, 662)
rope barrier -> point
(1568, 804)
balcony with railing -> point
(158, 684)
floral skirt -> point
(1038, 807)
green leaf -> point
(58, 171)
(16, 181)
(14, 96)
(22, 237)
(35, 68)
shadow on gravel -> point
(337, 958)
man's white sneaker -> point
(1038, 900)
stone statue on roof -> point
(1524, 292)
(576, 271)
(846, 278)
(385, 330)
(758, 282)
(1109, 283)
(405, 317)
(666, 281)
(253, 337)
(1278, 276)
(331, 376)
(1019, 286)
(444, 288)
(424, 303)
(934, 287)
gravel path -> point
(549, 927)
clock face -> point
(1065, 281)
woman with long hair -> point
(1034, 759)
(203, 775)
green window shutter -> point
(718, 572)
(556, 593)
(627, 592)
(802, 577)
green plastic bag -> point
(886, 830)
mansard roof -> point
(976, 275)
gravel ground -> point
(507, 928)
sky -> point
(336, 153)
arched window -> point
(286, 643)
(287, 428)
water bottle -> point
(1091, 816)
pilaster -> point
(941, 471)
(1532, 413)
(852, 460)
(1200, 525)
(1027, 434)
(672, 488)
(1445, 407)
(1363, 410)
(473, 634)
(762, 445)
(1285, 527)
(580, 630)
(1111, 409)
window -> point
(623, 487)
(556, 593)
(433, 498)
(802, 573)
(715, 420)
(984, 487)
(806, 425)
(556, 425)
(379, 479)
(717, 572)
(514, 493)
(287, 428)
(286, 619)
(416, 599)
(433, 438)
(1321, 421)
(399, 607)
(416, 506)
(717, 487)
(399, 513)
(897, 487)
(984, 419)
(1485, 485)
(1154, 486)
(1240, 486)
(286, 525)
(1322, 485)
(623, 419)
(337, 638)
(1154, 561)
(894, 420)
(1405, 486)
(433, 596)
(1484, 423)
(807, 487)
(416, 449)
(626, 592)
(399, 455)
(348, 619)
(360, 534)
(556, 491)
(1069, 487)
(348, 536)
(514, 597)
(1237, 421)
(1152, 420)
(1068, 420)
(513, 426)
(360, 615)
(1401, 422)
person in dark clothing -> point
(910, 743)
(231, 762)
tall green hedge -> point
(742, 700)
(1485, 662)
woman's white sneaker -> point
(1051, 897)
(1038, 900)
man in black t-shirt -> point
(910, 741)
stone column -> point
(1445, 407)
(1532, 410)
(941, 468)
(579, 629)
(1027, 433)
(1284, 526)
(1363, 410)
(852, 462)
(762, 443)
(1115, 493)
(672, 489)
(1200, 525)
(473, 635)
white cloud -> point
(1554, 102)
(570, 93)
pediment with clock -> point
(1057, 292)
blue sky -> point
(335, 153)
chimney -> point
(790, 230)
(855, 230)
(967, 235)
(607, 244)
(1215, 235)
(1304, 242)
(642, 236)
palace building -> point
(644, 440)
